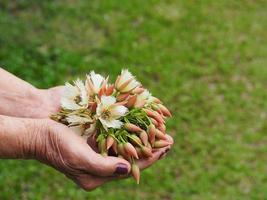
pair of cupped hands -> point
(27, 110)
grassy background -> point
(205, 59)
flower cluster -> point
(124, 118)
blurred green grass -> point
(205, 59)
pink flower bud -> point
(122, 152)
(132, 128)
(138, 90)
(122, 103)
(100, 93)
(129, 148)
(110, 141)
(131, 101)
(151, 134)
(159, 118)
(103, 88)
(156, 100)
(124, 85)
(122, 97)
(91, 86)
(155, 122)
(149, 146)
(140, 104)
(147, 151)
(109, 90)
(139, 152)
(135, 140)
(117, 80)
(162, 128)
(164, 110)
(136, 172)
(154, 115)
(115, 146)
(143, 136)
(161, 144)
(156, 108)
(160, 135)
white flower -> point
(108, 112)
(126, 82)
(93, 83)
(74, 96)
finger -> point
(88, 182)
(145, 163)
(110, 166)
(105, 166)
(157, 155)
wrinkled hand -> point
(57, 146)
(50, 142)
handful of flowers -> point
(123, 118)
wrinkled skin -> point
(71, 155)
(50, 142)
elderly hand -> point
(55, 145)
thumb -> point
(106, 166)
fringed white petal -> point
(70, 92)
(83, 92)
(125, 76)
(107, 101)
(69, 104)
(118, 111)
(111, 123)
(97, 80)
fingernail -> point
(121, 169)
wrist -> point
(50, 99)
(20, 137)
(19, 104)
(31, 103)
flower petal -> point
(111, 123)
(69, 104)
(133, 84)
(70, 91)
(97, 80)
(125, 76)
(118, 111)
(107, 101)
(83, 92)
